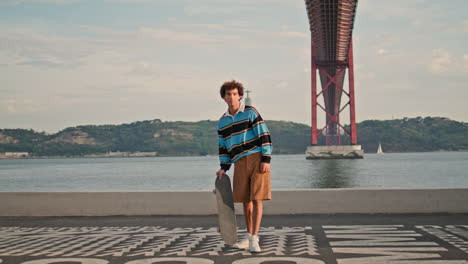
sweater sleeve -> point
(224, 159)
(262, 132)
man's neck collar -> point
(241, 109)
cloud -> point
(21, 105)
(107, 48)
(223, 33)
(212, 10)
(294, 35)
(114, 72)
(26, 46)
(183, 38)
(465, 62)
(229, 7)
(382, 51)
(420, 18)
(40, 1)
(445, 62)
(135, 1)
(282, 84)
(140, 68)
(10, 105)
(144, 68)
(441, 60)
(397, 8)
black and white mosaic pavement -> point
(318, 244)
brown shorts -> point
(249, 183)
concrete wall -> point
(314, 201)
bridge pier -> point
(335, 152)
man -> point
(244, 140)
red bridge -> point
(331, 26)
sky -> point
(66, 63)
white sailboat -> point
(379, 149)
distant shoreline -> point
(165, 156)
(158, 138)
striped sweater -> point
(243, 134)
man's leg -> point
(257, 216)
(248, 213)
(253, 212)
(260, 189)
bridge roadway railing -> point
(306, 201)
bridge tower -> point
(331, 25)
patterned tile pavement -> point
(314, 244)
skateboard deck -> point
(226, 212)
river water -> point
(390, 170)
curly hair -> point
(231, 85)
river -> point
(390, 170)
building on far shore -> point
(14, 155)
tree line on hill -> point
(177, 138)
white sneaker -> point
(254, 247)
(244, 243)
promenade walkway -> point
(305, 239)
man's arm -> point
(261, 131)
(224, 159)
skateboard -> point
(226, 212)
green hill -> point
(177, 138)
(413, 135)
